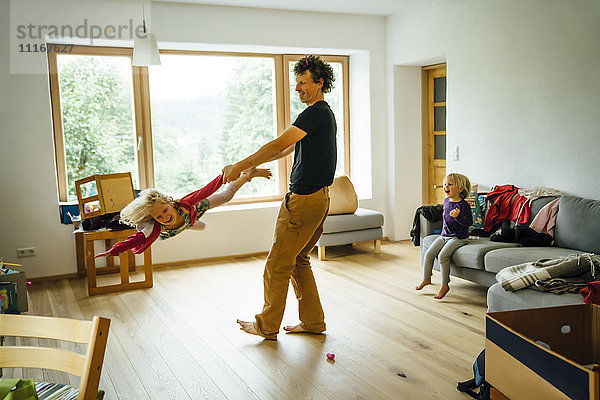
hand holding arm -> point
(276, 148)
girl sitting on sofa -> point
(456, 220)
(155, 214)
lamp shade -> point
(145, 51)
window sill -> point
(245, 206)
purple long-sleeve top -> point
(458, 226)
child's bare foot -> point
(443, 290)
(260, 172)
(423, 284)
(294, 328)
(248, 327)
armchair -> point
(346, 223)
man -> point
(303, 211)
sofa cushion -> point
(361, 219)
(362, 235)
(578, 224)
(472, 254)
(498, 259)
(538, 204)
(500, 300)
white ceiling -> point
(365, 7)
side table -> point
(86, 263)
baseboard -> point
(208, 259)
(172, 264)
(52, 277)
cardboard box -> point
(104, 194)
(544, 353)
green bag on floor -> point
(24, 389)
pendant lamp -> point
(145, 50)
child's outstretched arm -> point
(217, 199)
(135, 240)
(137, 243)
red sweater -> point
(138, 242)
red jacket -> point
(138, 242)
(504, 202)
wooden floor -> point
(179, 339)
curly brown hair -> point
(318, 69)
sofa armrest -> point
(427, 227)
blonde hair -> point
(462, 183)
(138, 211)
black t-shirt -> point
(315, 155)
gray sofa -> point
(577, 231)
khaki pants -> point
(299, 227)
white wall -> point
(28, 198)
(403, 178)
(523, 92)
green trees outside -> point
(192, 138)
(96, 103)
(250, 118)
(186, 153)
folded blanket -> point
(560, 285)
(591, 293)
(524, 275)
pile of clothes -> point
(575, 273)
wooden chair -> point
(88, 367)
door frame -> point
(428, 73)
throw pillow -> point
(342, 195)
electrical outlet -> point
(26, 252)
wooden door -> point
(436, 132)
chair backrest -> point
(88, 367)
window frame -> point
(143, 121)
(287, 58)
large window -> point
(336, 100)
(176, 125)
(207, 112)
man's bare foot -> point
(248, 327)
(423, 284)
(443, 290)
(294, 328)
(260, 172)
